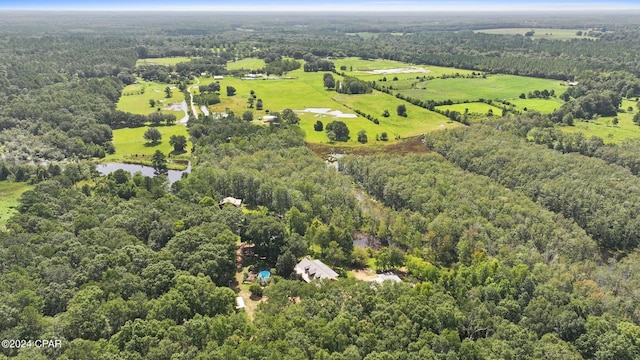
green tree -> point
(259, 104)
(318, 126)
(167, 92)
(362, 137)
(329, 81)
(179, 142)
(402, 110)
(153, 135)
(256, 290)
(384, 136)
(385, 113)
(159, 161)
(340, 129)
(247, 115)
(290, 117)
(152, 103)
(231, 91)
(285, 264)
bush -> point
(256, 290)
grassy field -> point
(132, 147)
(544, 106)
(473, 108)
(306, 90)
(163, 61)
(544, 33)
(362, 68)
(603, 127)
(135, 98)
(9, 194)
(492, 87)
(248, 64)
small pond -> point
(172, 175)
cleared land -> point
(540, 33)
(9, 194)
(545, 106)
(300, 90)
(501, 87)
(163, 61)
(248, 64)
(472, 108)
(132, 147)
(135, 98)
(603, 127)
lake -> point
(172, 175)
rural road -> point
(194, 110)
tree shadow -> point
(152, 144)
(175, 152)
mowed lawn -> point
(492, 87)
(163, 61)
(135, 98)
(603, 127)
(132, 147)
(9, 195)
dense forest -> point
(512, 238)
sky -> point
(328, 5)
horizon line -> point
(540, 8)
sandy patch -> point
(407, 70)
(364, 275)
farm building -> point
(314, 269)
(218, 77)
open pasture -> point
(9, 194)
(502, 87)
(298, 91)
(163, 61)
(603, 127)
(132, 147)
(376, 70)
(475, 108)
(543, 33)
(545, 106)
(135, 98)
(248, 64)
(305, 90)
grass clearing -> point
(542, 33)
(545, 106)
(135, 98)
(306, 90)
(603, 127)
(132, 147)
(9, 195)
(479, 108)
(248, 64)
(500, 87)
(163, 61)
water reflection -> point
(172, 175)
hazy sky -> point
(330, 5)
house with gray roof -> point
(314, 269)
